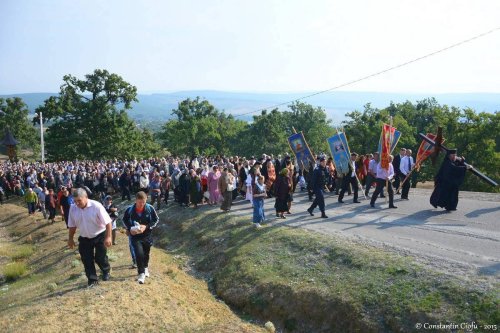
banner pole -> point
(390, 146)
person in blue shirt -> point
(140, 219)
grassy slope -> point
(305, 281)
(51, 296)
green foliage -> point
(267, 134)
(313, 123)
(89, 120)
(16, 119)
(200, 129)
(476, 135)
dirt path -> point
(53, 296)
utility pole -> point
(41, 137)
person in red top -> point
(59, 198)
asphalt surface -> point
(468, 238)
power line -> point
(375, 74)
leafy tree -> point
(312, 122)
(267, 133)
(200, 129)
(364, 128)
(89, 120)
(475, 135)
(15, 117)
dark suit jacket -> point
(396, 163)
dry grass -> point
(14, 270)
(17, 252)
(52, 296)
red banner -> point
(424, 150)
(385, 139)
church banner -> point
(425, 150)
(395, 139)
(340, 152)
(301, 150)
(385, 145)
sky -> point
(252, 46)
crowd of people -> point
(196, 181)
(71, 187)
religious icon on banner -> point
(340, 152)
(301, 150)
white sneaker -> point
(146, 272)
(257, 225)
(141, 278)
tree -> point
(313, 123)
(267, 133)
(15, 117)
(200, 129)
(475, 135)
(89, 120)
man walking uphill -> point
(318, 186)
(95, 234)
(140, 219)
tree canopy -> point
(475, 135)
(15, 117)
(89, 120)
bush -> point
(52, 286)
(14, 270)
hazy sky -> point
(258, 45)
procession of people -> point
(82, 191)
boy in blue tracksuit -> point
(140, 219)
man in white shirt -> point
(372, 174)
(405, 168)
(384, 176)
(94, 223)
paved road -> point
(468, 237)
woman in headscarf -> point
(213, 187)
(195, 189)
(282, 191)
(271, 178)
(144, 182)
(226, 183)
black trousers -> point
(378, 190)
(406, 187)
(368, 183)
(397, 180)
(346, 181)
(93, 250)
(319, 200)
(125, 193)
(142, 247)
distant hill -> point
(158, 106)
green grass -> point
(14, 270)
(271, 271)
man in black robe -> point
(448, 180)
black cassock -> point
(447, 182)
